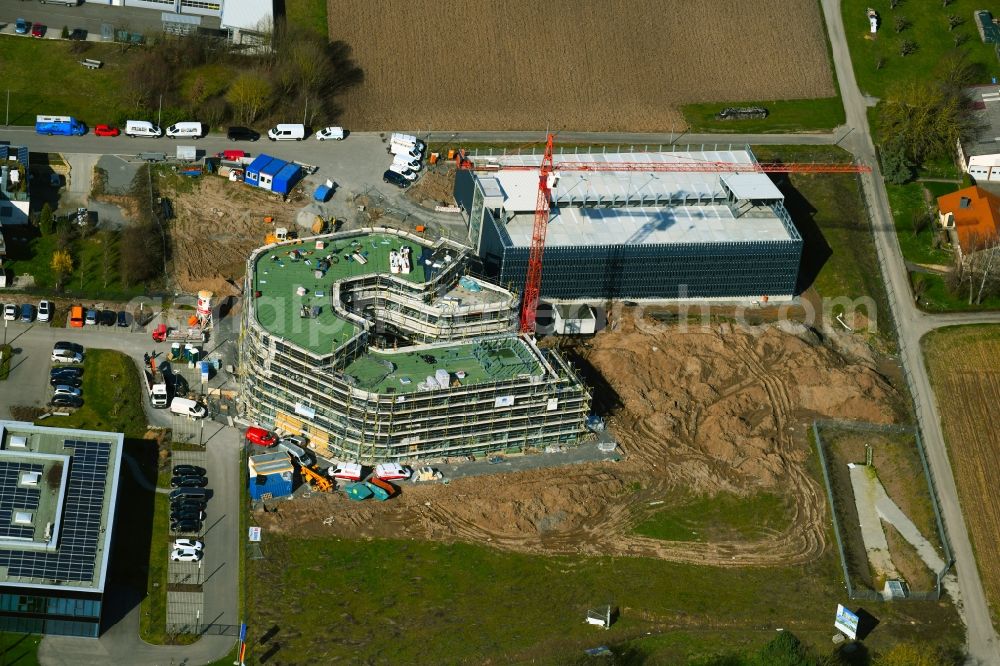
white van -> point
(286, 132)
(295, 447)
(408, 151)
(407, 161)
(186, 130)
(186, 407)
(402, 145)
(407, 140)
(403, 171)
(142, 128)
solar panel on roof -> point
(80, 530)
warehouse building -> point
(633, 234)
(58, 491)
(376, 346)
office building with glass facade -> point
(633, 234)
(58, 491)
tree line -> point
(291, 75)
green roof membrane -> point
(466, 364)
(285, 270)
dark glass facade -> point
(38, 611)
(648, 271)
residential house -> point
(972, 218)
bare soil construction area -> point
(600, 65)
(213, 230)
(704, 411)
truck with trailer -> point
(62, 125)
(156, 387)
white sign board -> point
(305, 410)
(254, 533)
(504, 401)
(846, 622)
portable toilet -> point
(204, 368)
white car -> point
(409, 163)
(44, 310)
(188, 544)
(10, 312)
(63, 389)
(185, 555)
(66, 356)
(330, 133)
(403, 171)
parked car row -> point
(80, 317)
(189, 499)
(66, 380)
(407, 159)
(27, 312)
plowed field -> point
(598, 65)
(964, 365)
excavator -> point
(316, 479)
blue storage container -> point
(278, 485)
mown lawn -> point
(112, 396)
(717, 518)
(44, 77)
(795, 115)
(935, 296)
(307, 15)
(908, 201)
(928, 29)
(421, 602)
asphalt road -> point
(911, 325)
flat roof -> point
(279, 277)
(756, 186)
(986, 102)
(520, 188)
(571, 226)
(58, 492)
(478, 362)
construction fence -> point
(850, 545)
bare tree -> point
(901, 23)
(907, 47)
(954, 21)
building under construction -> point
(376, 345)
(656, 234)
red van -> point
(261, 437)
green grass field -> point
(717, 518)
(420, 602)
(928, 29)
(838, 256)
(908, 201)
(796, 115)
(43, 76)
(307, 15)
(112, 396)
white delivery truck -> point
(142, 128)
(287, 132)
(407, 140)
(156, 387)
(184, 130)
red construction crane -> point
(533, 281)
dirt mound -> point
(215, 227)
(700, 411)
